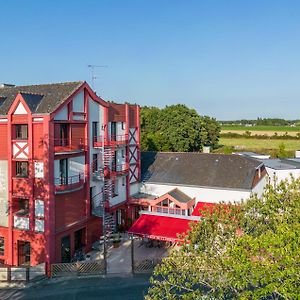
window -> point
(123, 153)
(1, 245)
(116, 190)
(39, 208)
(23, 207)
(63, 168)
(95, 127)
(22, 169)
(113, 131)
(123, 125)
(21, 132)
(123, 181)
(95, 163)
(64, 135)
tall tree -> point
(249, 251)
(176, 128)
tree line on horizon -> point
(262, 122)
(177, 128)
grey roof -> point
(180, 196)
(143, 195)
(199, 169)
(281, 164)
(43, 98)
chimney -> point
(6, 85)
(206, 149)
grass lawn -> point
(261, 128)
(243, 143)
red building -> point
(65, 154)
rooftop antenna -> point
(92, 67)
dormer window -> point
(21, 131)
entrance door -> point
(23, 253)
(65, 249)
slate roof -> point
(180, 196)
(281, 164)
(43, 98)
(199, 169)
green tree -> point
(176, 128)
(249, 251)
(282, 152)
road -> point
(113, 288)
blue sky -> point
(227, 59)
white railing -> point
(168, 210)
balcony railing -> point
(67, 145)
(120, 139)
(21, 222)
(119, 169)
(169, 210)
(67, 184)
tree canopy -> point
(177, 128)
(246, 251)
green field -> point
(261, 128)
(260, 144)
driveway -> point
(113, 288)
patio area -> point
(119, 259)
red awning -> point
(160, 227)
(203, 206)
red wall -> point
(38, 141)
(78, 131)
(3, 139)
(37, 242)
(69, 208)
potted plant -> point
(116, 241)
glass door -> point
(65, 249)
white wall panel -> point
(78, 102)
(62, 115)
(201, 194)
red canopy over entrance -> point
(161, 227)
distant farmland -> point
(261, 130)
(259, 144)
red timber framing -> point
(134, 147)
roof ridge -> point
(30, 93)
(45, 84)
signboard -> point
(38, 169)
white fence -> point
(22, 273)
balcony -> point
(21, 222)
(65, 146)
(113, 140)
(69, 184)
